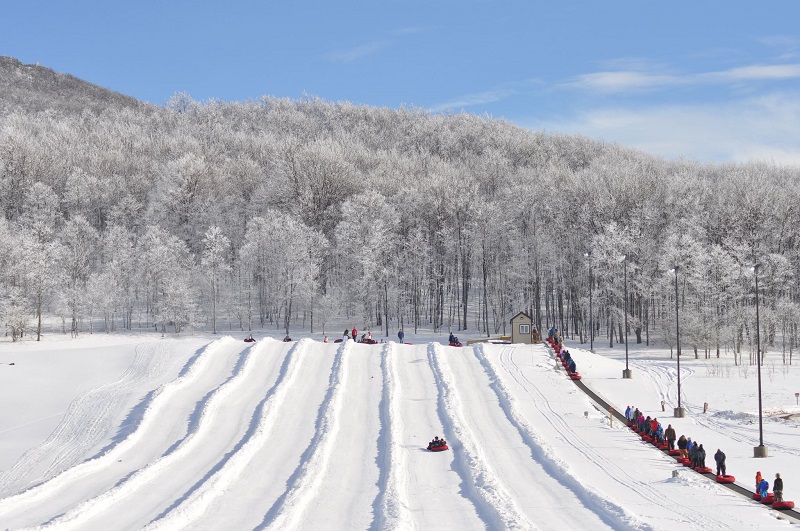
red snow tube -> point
(368, 341)
(725, 479)
(438, 448)
(338, 340)
(575, 376)
(703, 470)
(249, 340)
(630, 424)
(782, 506)
(662, 446)
(674, 452)
(769, 499)
(647, 438)
(757, 496)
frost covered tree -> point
(216, 247)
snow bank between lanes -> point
(150, 417)
(606, 509)
(493, 501)
(395, 507)
(287, 512)
(79, 515)
(201, 499)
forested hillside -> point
(289, 214)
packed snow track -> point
(306, 435)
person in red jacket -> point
(355, 334)
(654, 426)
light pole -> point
(760, 450)
(679, 411)
(627, 373)
(587, 255)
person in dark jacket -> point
(401, 335)
(777, 488)
(719, 457)
(669, 433)
(701, 457)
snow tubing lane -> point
(621, 417)
(725, 479)
(438, 448)
(782, 506)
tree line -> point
(298, 214)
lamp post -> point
(760, 450)
(627, 373)
(679, 411)
(587, 255)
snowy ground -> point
(131, 432)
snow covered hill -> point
(221, 434)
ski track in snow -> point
(84, 425)
(544, 454)
(79, 515)
(288, 511)
(666, 378)
(484, 488)
(161, 399)
(193, 508)
(517, 396)
(393, 504)
(610, 469)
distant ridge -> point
(34, 88)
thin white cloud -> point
(758, 72)
(622, 80)
(407, 31)
(353, 54)
(631, 80)
(479, 98)
(763, 128)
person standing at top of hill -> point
(719, 458)
(763, 488)
(682, 446)
(701, 456)
(346, 335)
(401, 335)
(758, 479)
(669, 433)
(355, 334)
(777, 488)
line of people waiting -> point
(665, 439)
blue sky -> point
(712, 81)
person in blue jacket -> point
(572, 367)
(763, 488)
(628, 413)
(401, 335)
